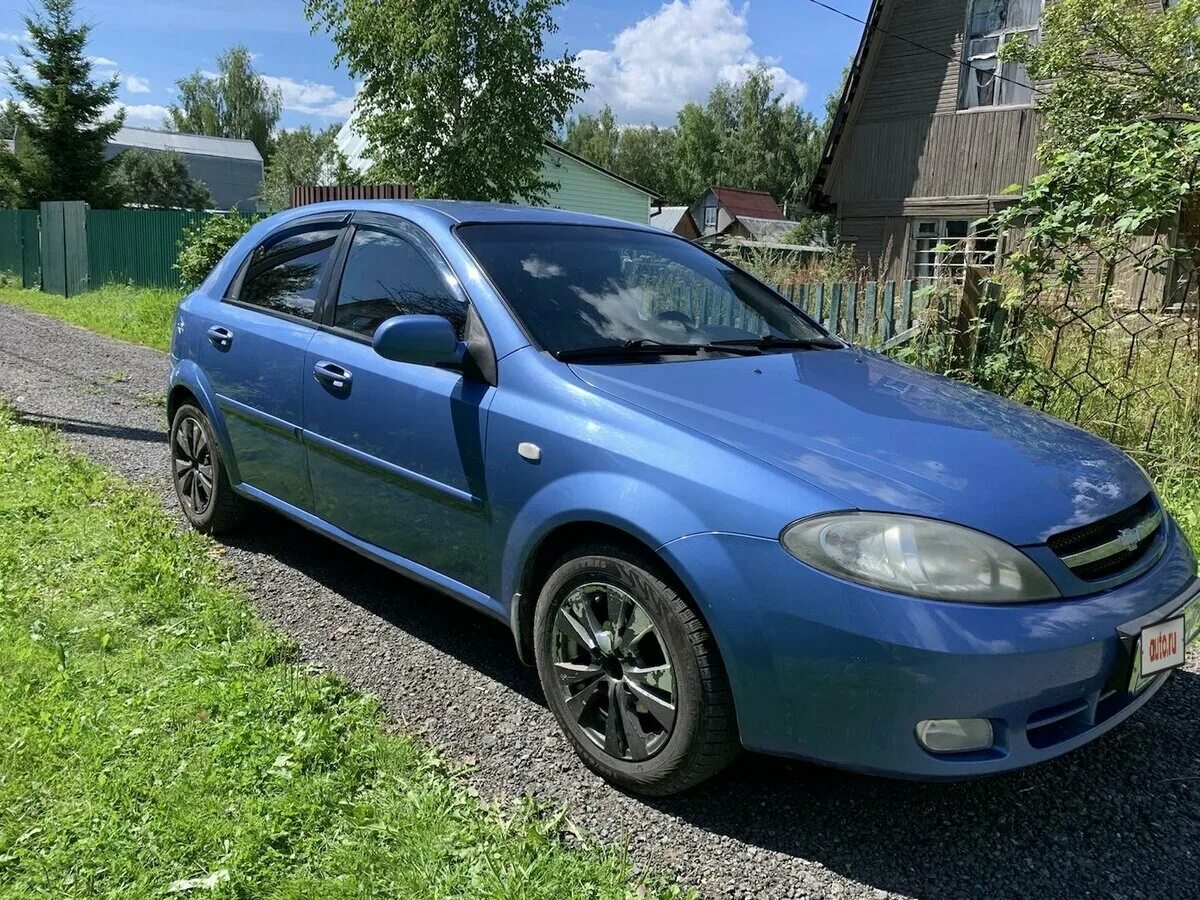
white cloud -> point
(140, 115)
(311, 97)
(675, 55)
(136, 85)
(104, 61)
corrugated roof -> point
(668, 217)
(748, 203)
(182, 142)
(771, 230)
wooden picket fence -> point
(871, 312)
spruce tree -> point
(64, 125)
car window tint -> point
(285, 274)
(387, 276)
(583, 286)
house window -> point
(943, 249)
(710, 217)
(987, 80)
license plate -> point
(1162, 646)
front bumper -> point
(827, 670)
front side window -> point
(387, 276)
(579, 287)
(284, 275)
(943, 249)
(986, 80)
(710, 217)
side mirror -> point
(417, 339)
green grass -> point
(152, 730)
(140, 315)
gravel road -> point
(1119, 818)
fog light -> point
(954, 735)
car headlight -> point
(921, 557)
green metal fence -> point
(136, 246)
(66, 248)
(20, 250)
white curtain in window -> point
(979, 84)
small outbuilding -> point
(677, 220)
(231, 169)
(719, 208)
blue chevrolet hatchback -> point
(708, 522)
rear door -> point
(396, 449)
(254, 354)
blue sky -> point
(645, 57)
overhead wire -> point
(962, 62)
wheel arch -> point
(558, 541)
(190, 384)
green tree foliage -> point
(235, 103)
(65, 123)
(1119, 165)
(647, 156)
(1112, 62)
(304, 157)
(10, 170)
(202, 246)
(744, 136)
(595, 137)
(1102, 198)
(457, 95)
(143, 178)
(644, 154)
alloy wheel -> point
(193, 466)
(613, 671)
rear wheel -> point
(631, 673)
(197, 471)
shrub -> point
(203, 245)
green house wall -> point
(584, 189)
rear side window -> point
(387, 276)
(284, 275)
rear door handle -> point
(332, 374)
(220, 336)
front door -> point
(395, 450)
(253, 353)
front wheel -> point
(631, 673)
(198, 473)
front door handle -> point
(332, 374)
(220, 336)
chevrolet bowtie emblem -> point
(1129, 538)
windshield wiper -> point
(656, 348)
(768, 341)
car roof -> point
(468, 211)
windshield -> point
(587, 288)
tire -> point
(647, 756)
(198, 473)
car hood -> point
(884, 436)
